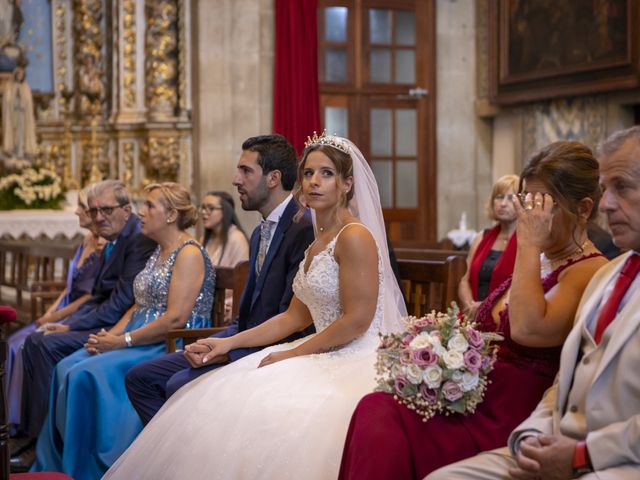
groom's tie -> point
(610, 308)
(265, 240)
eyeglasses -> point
(105, 211)
(209, 208)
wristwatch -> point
(581, 463)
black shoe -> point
(22, 462)
(17, 445)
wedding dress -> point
(286, 420)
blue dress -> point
(80, 281)
(91, 421)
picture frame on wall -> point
(541, 49)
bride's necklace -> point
(549, 265)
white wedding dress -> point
(284, 421)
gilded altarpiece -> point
(122, 100)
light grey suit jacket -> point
(612, 412)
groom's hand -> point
(202, 354)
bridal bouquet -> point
(439, 364)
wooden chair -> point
(407, 253)
(8, 315)
(430, 284)
(233, 279)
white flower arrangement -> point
(32, 188)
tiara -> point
(329, 140)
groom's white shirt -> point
(597, 398)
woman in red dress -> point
(533, 310)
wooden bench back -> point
(233, 279)
(430, 284)
(406, 253)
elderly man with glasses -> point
(123, 257)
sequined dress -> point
(287, 420)
(91, 421)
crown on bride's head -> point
(329, 140)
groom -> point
(266, 174)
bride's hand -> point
(207, 351)
(277, 356)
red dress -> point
(386, 440)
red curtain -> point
(296, 98)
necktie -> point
(610, 308)
(265, 237)
(108, 248)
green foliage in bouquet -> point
(33, 188)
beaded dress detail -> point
(287, 420)
(151, 290)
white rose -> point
(436, 345)
(458, 343)
(456, 376)
(397, 370)
(453, 359)
(432, 376)
(422, 340)
(469, 381)
(414, 374)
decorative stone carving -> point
(161, 160)
(89, 58)
(161, 65)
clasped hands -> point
(545, 457)
(208, 351)
(103, 341)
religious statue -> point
(18, 119)
(11, 20)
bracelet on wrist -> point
(128, 340)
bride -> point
(283, 412)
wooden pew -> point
(407, 253)
(233, 279)
(430, 284)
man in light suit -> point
(588, 423)
(266, 174)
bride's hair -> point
(344, 169)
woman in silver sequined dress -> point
(91, 421)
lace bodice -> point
(319, 290)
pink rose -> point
(475, 338)
(406, 340)
(421, 323)
(400, 383)
(424, 357)
(429, 394)
(472, 360)
(452, 391)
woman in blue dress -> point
(91, 421)
(83, 270)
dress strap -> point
(335, 239)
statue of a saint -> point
(18, 122)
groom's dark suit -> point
(111, 297)
(265, 295)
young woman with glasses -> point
(224, 239)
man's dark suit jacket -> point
(112, 293)
(270, 293)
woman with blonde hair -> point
(91, 421)
(493, 252)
